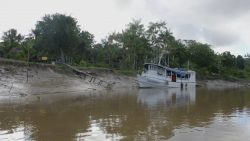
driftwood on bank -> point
(89, 77)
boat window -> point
(168, 72)
(160, 71)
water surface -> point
(145, 114)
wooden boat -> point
(156, 75)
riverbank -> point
(223, 84)
(17, 79)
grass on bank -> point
(229, 74)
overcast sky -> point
(225, 24)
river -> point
(194, 114)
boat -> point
(156, 75)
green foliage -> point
(247, 63)
(179, 54)
(240, 62)
(160, 40)
(59, 36)
(135, 45)
(56, 35)
(201, 54)
(109, 52)
(227, 59)
(11, 45)
(1, 49)
(83, 49)
(83, 63)
(127, 72)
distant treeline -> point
(59, 36)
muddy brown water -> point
(144, 114)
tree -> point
(56, 35)
(1, 49)
(160, 39)
(28, 53)
(240, 62)
(11, 45)
(112, 50)
(135, 45)
(179, 53)
(247, 62)
(84, 50)
(201, 54)
(227, 59)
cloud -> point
(225, 8)
(219, 37)
(221, 23)
(124, 3)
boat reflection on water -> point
(167, 97)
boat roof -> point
(177, 70)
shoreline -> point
(44, 80)
(50, 79)
(223, 84)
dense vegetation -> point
(59, 36)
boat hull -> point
(150, 82)
(146, 82)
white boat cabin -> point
(158, 75)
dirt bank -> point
(223, 84)
(48, 79)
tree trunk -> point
(62, 56)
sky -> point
(224, 24)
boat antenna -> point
(164, 51)
(159, 62)
(168, 57)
